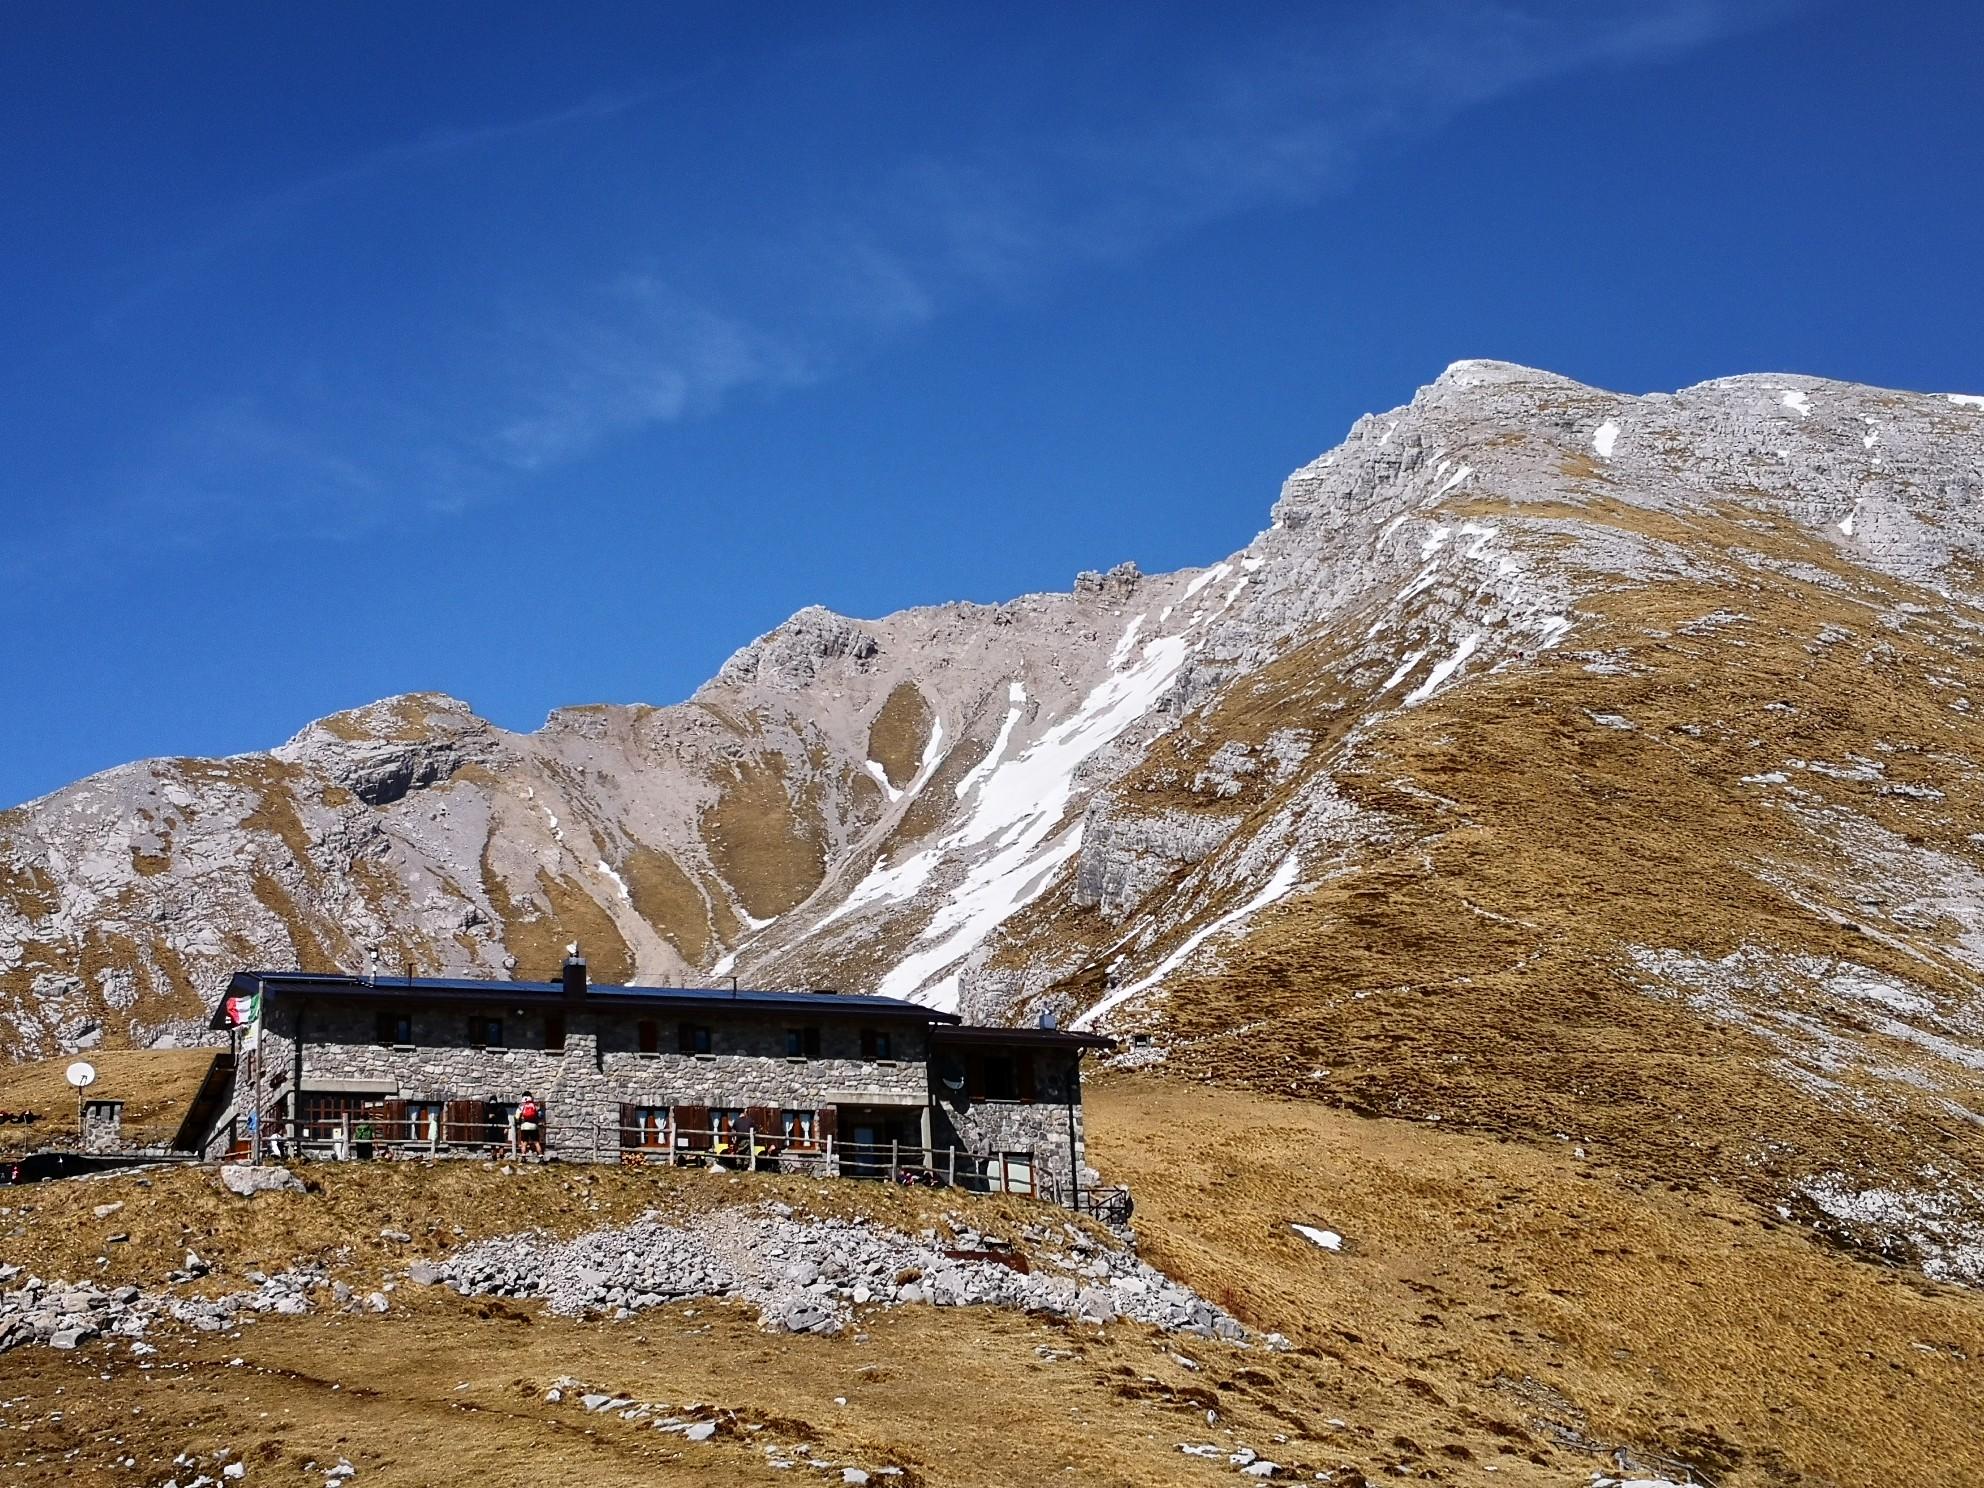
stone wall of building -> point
(1049, 1126)
(600, 1067)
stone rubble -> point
(809, 1275)
(64, 1315)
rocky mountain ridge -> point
(1532, 696)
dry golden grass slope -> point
(1700, 890)
(1499, 1313)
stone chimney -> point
(575, 974)
(103, 1125)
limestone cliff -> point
(1557, 761)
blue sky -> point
(545, 355)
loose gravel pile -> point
(67, 1315)
(809, 1275)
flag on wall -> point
(244, 1010)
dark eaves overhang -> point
(1028, 1038)
(444, 991)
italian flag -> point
(243, 1010)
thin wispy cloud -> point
(689, 320)
(269, 215)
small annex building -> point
(353, 1066)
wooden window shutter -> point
(385, 1026)
(1026, 1075)
(461, 1121)
(867, 1043)
(765, 1119)
(650, 1036)
(685, 1040)
(630, 1135)
(392, 1121)
(974, 1076)
(692, 1123)
(827, 1124)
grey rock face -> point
(1052, 762)
(427, 741)
(792, 656)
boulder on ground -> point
(248, 1180)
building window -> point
(485, 1032)
(802, 1043)
(649, 1032)
(799, 1126)
(395, 1028)
(324, 1115)
(650, 1126)
(693, 1038)
(423, 1121)
(877, 1043)
(554, 1032)
(1002, 1077)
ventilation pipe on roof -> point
(574, 974)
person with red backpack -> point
(530, 1126)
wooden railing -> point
(451, 1132)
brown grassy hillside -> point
(1495, 1305)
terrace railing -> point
(454, 1131)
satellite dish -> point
(80, 1073)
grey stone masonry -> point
(840, 1084)
(599, 1068)
(103, 1125)
(1046, 1130)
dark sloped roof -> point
(1021, 1038)
(468, 989)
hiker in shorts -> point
(530, 1126)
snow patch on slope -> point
(1275, 888)
(1012, 821)
(618, 882)
(1443, 670)
(1210, 576)
(1015, 707)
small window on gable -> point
(802, 1043)
(876, 1043)
(649, 1034)
(395, 1028)
(554, 1031)
(693, 1038)
(485, 1032)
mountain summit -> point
(1557, 762)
